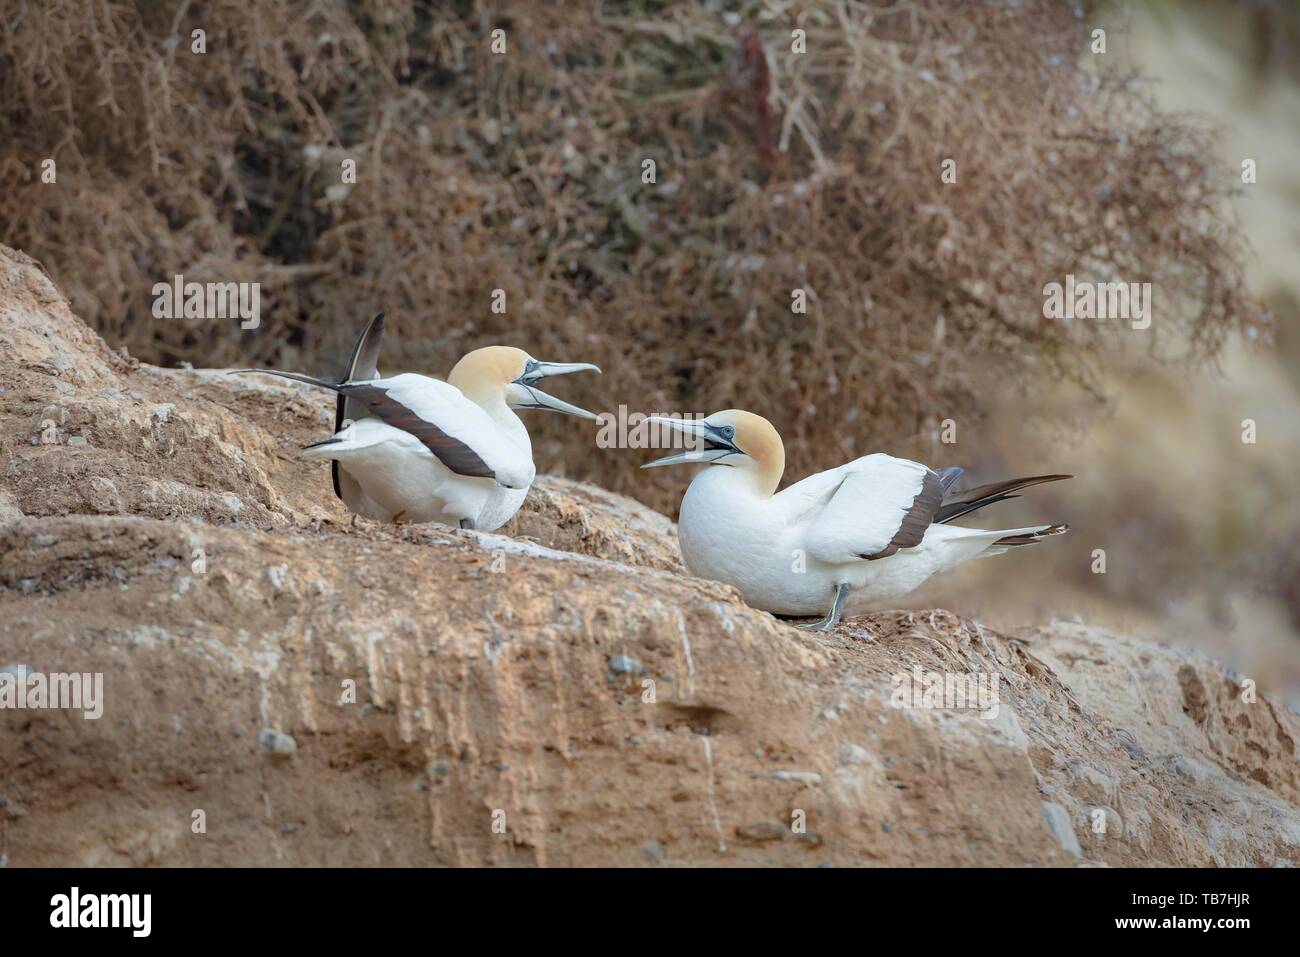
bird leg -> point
(467, 523)
(833, 616)
(398, 516)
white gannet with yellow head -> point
(836, 542)
(412, 448)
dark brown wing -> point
(918, 517)
(451, 451)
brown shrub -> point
(775, 171)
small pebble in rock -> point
(276, 742)
(625, 666)
(762, 831)
(851, 753)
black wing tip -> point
(969, 500)
(366, 347)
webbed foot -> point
(833, 616)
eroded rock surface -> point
(331, 693)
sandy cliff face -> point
(564, 694)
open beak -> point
(528, 396)
(704, 442)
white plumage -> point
(838, 541)
(398, 475)
(856, 509)
(416, 449)
(500, 440)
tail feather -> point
(356, 439)
(969, 500)
(334, 440)
(999, 541)
(1029, 536)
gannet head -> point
(502, 373)
(733, 438)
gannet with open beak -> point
(416, 449)
(836, 542)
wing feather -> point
(880, 505)
(364, 364)
(462, 436)
(960, 503)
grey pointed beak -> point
(535, 398)
(704, 443)
(540, 370)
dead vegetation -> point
(775, 171)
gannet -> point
(844, 539)
(416, 449)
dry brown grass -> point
(522, 172)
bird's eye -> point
(729, 431)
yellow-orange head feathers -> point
(759, 442)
